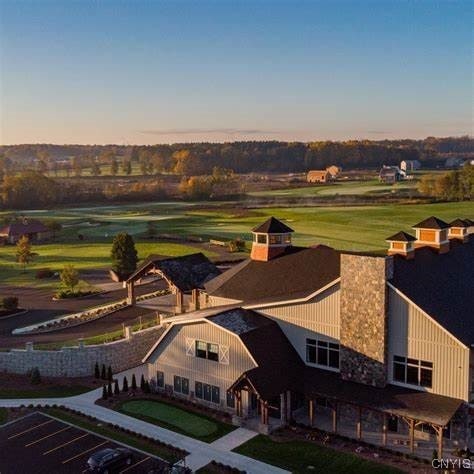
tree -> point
(35, 376)
(142, 383)
(104, 392)
(125, 384)
(103, 373)
(124, 255)
(24, 254)
(134, 382)
(109, 389)
(127, 166)
(77, 166)
(116, 387)
(95, 169)
(69, 277)
(109, 373)
(96, 371)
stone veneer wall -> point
(363, 356)
(79, 361)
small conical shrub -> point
(97, 371)
(116, 387)
(35, 377)
(142, 383)
(109, 373)
(109, 389)
(104, 392)
(134, 382)
(147, 387)
(103, 374)
(125, 384)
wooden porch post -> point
(283, 409)
(439, 432)
(179, 301)
(384, 430)
(411, 424)
(195, 299)
(238, 396)
(359, 424)
(311, 413)
(262, 412)
(131, 293)
(334, 418)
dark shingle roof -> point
(239, 320)
(24, 227)
(458, 223)
(442, 286)
(272, 226)
(298, 271)
(431, 223)
(401, 237)
(186, 273)
(398, 401)
(469, 222)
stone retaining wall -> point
(80, 360)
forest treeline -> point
(192, 159)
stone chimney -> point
(364, 320)
(458, 230)
(402, 244)
(270, 239)
(432, 232)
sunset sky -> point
(143, 72)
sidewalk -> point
(200, 453)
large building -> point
(375, 347)
(34, 229)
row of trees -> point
(453, 186)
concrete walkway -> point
(200, 453)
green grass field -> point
(297, 456)
(361, 228)
(176, 419)
(48, 392)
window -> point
(275, 239)
(207, 350)
(160, 379)
(181, 385)
(322, 353)
(261, 238)
(207, 392)
(413, 371)
(230, 399)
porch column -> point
(179, 301)
(289, 415)
(411, 425)
(334, 418)
(262, 412)
(384, 430)
(439, 432)
(238, 396)
(131, 299)
(195, 299)
(283, 409)
(359, 424)
(311, 413)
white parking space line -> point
(65, 444)
(30, 429)
(84, 452)
(134, 465)
(47, 436)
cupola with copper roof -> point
(432, 232)
(458, 229)
(270, 239)
(403, 244)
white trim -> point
(405, 297)
(297, 300)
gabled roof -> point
(272, 226)
(469, 222)
(299, 271)
(431, 223)
(442, 286)
(24, 227)
(186, 273)
(401, 237)
(458, 223)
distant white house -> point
(410, 165)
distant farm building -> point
(410, 165)
(453, 162)
(334, 171)
(390, 174)
(34, 229)
(318, 176)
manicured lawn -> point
(47, 392)
(176, 419)
(297, 456)
(3, 415)
(112, 433)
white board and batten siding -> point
(317, 318)
(175, 355)
(412, 333)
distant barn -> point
(34, 229)
(318, 176)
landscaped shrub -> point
(35, 377)
(104, 392)
(109, 373)
(134, 382)
(125, 384)
(142, 383)
(10, 302)
(109, 389)
(116, 387)
(44, 273)
(96, 371)
(103, 374)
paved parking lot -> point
(40, 444)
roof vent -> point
(459, 230)
(432, 232)
(270, 239)
(402, 244)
